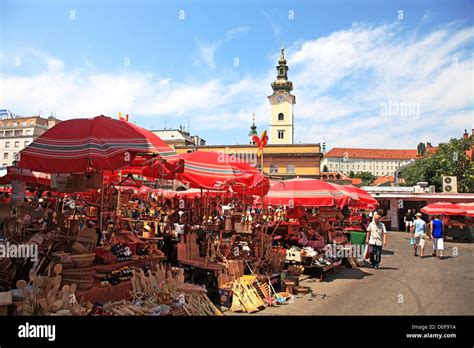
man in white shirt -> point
(376, 238)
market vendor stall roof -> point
(305, 192)
(99, 143)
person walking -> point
(418, 231)
(408, 220)
(436, 231)
(376, 239)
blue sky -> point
(364, 73)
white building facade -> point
(16, 133)
(378, 162)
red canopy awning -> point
(25, 175)
(305, 192)
(468, 207)
(443, 208)
(192, 193)
(363, 198)
(212, 170)
(99, 143)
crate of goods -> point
(306, 260)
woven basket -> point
(78, 274)
(83, 260)
(82, 285)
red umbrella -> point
(468, 207)
(363, 197)
(259, 185)
(304, 192)
(443, 208)
(25, 175)
(212, 170)
(192, 193)
(99, 143)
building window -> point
(282, 71)
(281, 134)
(281, 117)
(17, 143)
(28, 132)
(27, 142)
(4, 164)
(290, 169)
(273, 169)
(7, 144)
(5, 155)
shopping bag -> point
(412, 241)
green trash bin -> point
(358, 238)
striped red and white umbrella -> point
(443, 208)
(212, 170)
(25, 175)
(468, 207)
(305, 192)
(362, 198)
(99, 143)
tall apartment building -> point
(18, 132)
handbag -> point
(412, 241)
(367, 252)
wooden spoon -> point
(33, 276)
(56, 306)
(43, 305)
(58, 268)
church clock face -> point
(281, 99)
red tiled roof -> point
(383, 179)
(372, 153)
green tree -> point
(366, 177)
(351, 174)
(325, 169)
(450, 160)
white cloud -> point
(206, 54)
(207, 50)
(341, 81)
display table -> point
(108, 293)
(112, 292)
(105, 268)
(198, 272)
(321, 272)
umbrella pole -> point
(101, 200)
(118, 193)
